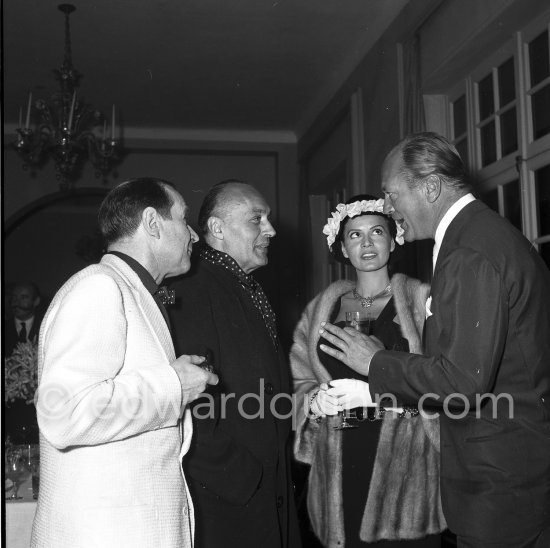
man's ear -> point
(150, 222)
(36, 301)
(215, 227)
(432, 188)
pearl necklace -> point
(366, 302)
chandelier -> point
(66, 129)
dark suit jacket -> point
(489, 333)
(11, 336)
(237, 467)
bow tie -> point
(166, 296)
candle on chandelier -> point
(28, 120)
(71, 113)
(113, 125)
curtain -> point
(419, 254)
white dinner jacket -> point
(109, 407)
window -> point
(499, 121)
(505, 199)
(542, 182)
(459, 127)
(496, 119)
(539, 85)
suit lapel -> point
(450, 242)
(150, 310)
(454, 230)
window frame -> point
(531, 154)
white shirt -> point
(28, 324)
(452, 212)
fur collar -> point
(399, 505)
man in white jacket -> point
(111, 393)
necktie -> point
(23, 333)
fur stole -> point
(403, 500)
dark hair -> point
(428, 153)
(120, 212)
(336, 246)
(212, 206)
(27, 285)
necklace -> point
(366, 302)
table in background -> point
(19, 517)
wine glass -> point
(17, 469)
(344, 424)
(355, 320)
(32, 458)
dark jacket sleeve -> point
(465, 337)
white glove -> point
(351, 393)
(323, 403)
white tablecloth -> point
(19, 516)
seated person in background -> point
(25, 324)
(379, 480)
(21, 326)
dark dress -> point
(359, 444)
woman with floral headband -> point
(378, 481)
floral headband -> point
(332, 227)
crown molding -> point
(141, 135)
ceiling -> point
(267, 65)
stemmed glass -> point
(17, 469)
(344, 424)
(361, 323)
(33, 462)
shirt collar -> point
(28, 323)
(144, 275)
(451, 213)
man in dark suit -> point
(487, 350)
(238, 461)
(24, 326)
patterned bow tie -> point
(167, 296)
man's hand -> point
(351, 393)
(352, 347)
(193, 379)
